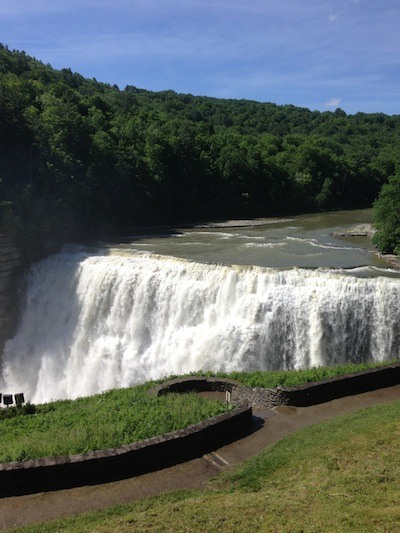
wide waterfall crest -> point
(94, 322)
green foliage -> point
(9, 222)
(103, 421)
(80, 158)
(387, 217)
(17, 410)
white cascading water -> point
(97, 322)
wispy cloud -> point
(333, 102)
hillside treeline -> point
(79, 158)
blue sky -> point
(320, 54)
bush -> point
(19, 410)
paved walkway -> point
(272, 425)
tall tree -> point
(387, 217)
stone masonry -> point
(259, 397)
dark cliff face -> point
(10, 265)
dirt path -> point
(272, 425)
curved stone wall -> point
(53, 473)
(304, 395)
(194, 384)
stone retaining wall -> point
(256, 396)
(102, 466)
(348, 385)
(304, 395)
(259, 397)
(321, 391)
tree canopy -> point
(387, 217)
(80, 158)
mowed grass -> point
(98, 422)
(339, 476)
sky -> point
(319, 54)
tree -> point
(78, 157)
(387, 217)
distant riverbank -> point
(249, 223)
(367, 230)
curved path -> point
(271, 426)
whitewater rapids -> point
(96, 322)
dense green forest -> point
(79, 158)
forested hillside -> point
(79, 158)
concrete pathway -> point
(271, 426)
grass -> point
(292, 378)
(340, 476)
(129, 415)
(124, 416)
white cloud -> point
(333, 102)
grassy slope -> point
(123, 416)
(341, 475)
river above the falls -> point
(304, 241)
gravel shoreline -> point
(249, 223)
(360, 230)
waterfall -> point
(95, 322)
